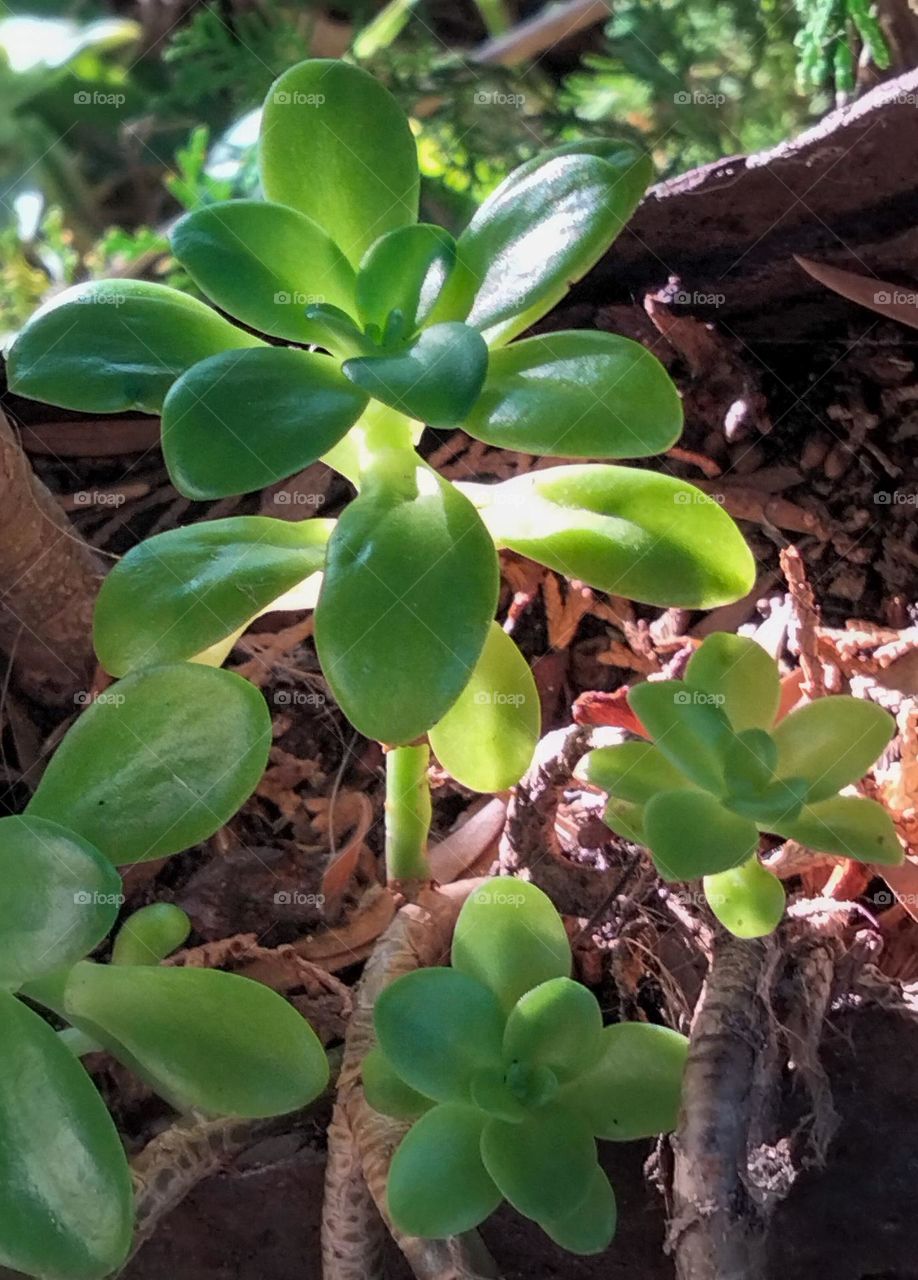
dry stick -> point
(362, 1142)
(48, 582)
(717, 1229)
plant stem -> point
(408, 812)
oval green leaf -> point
(336, 145)
(832, 742)
(264, 264)
(742, 675)
(633, 1090)
(158, 762)
(688, 728)
(243, 419)
(201, 1038)
(691, 834)
(151, 934)
(577, 395)
(437, 1028)
(633, 771)
(850, 826)
(557, 1024)
(58, 898)
(407, 600)
(115, 345)
(67, 1205)
(637, 534)
(436, 380)
(487, 738)
(182, 591)
(510, 938)
(590, 1227)
(404, 271)
(387, 1092)
(748, 900)
(437, 1184)
(544, 1165)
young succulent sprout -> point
(717, 770)
(157, 763)
(413, 327)
(504, 1066)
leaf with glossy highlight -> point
(742, 674)
(404, 271)
(748, 900)
(850, 826)
(832, 742)
(435, 380)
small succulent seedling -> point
(719, 771)
(157, 763)
(504, 1066)
(373, 325)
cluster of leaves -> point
(719, 771)
(830, 35)
(417, 326)
(504, 1065)
(152, 767)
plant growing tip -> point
(719, 771)
(504, 1066)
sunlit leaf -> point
(832, 742)
(625, 819)
(437, 1184)
(633, 771)
(557, 1024)
(404, 271)
(689, 730)
(748, 900)
(435, 380)
(691, 834)
(151, 934)
(742, 674)
(850, 826)
(633, 1090)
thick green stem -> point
(408, 813)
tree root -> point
(361, 1142)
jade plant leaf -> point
(510, 938)
(158, 762)
(832, 742)
(590, 1227)
(541, 230)
(692, 733)
(243, 419)
(404, 271)
(487, 738)
(387, 1092)
(264, 264)
(114, 345)
(336, 145)
(437, 1184)
(748, 900)
(690, 834)
(645, 536)
(151, 934)
(182, 591)
(201, 1038)
(742, 675)
(435, 380)
(634, 1088)
(625, 819)
(544, 1164)
(633, 771)
(850, 826)
(438, 1027)
(577, 395)
(58, 898)
(67, 1204)
(557, 1024)
(407, 600)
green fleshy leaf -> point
(691, 834)
(688, 729)
(159, 762)
(557, 1024)
(634, 533)
(590, 1227)
(336, 145)
(487, 738)
(58, 898)
(67, 1204)
(633, 1090)
(151, 934)
(404, 271)
(110, 346)
(741, 673)
(435, 380)
(832, 742)
(543, 228)
(750, 765)
(437, 1184)
(201, 1038)
(543, 1166)
(748, 900)
(437, 1028)
(407, 601)
(387, 1092)
(577, 395)
(625, 819)
(850, 826)
(633, 771)
(779, 801)
(510, 938)
(243, 419)
(264, 264)
(182, 591)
